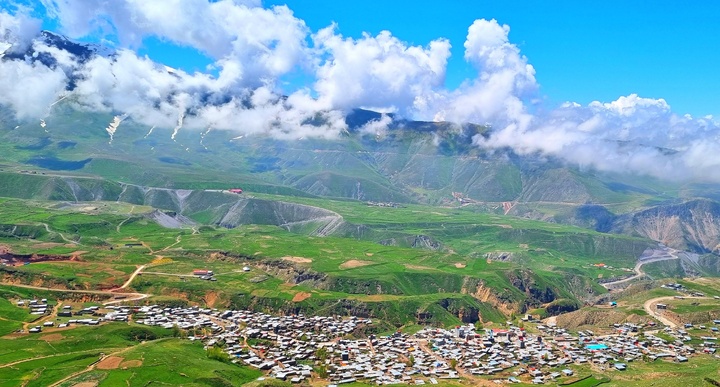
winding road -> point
(648, 306)
(672, 254)
(47, 228)
(112, 292)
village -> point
(295, 348)
(298, 348)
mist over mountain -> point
(375, 123)
(242, 91)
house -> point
(130, 245)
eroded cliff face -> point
(483, 293)
(692, 226)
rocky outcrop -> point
(692, 225)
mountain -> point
(410, 162)
(380, 158)
(82, 52)
(692, 225)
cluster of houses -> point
(384, 204)
(297, 347)
(207, 275)
(96, 313)
(673, 286)
(37, 307)
(184, 318)
(294, 348)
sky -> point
(613, 85)
(582, 52)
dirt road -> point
(132, 277)
(648, 306)
(672, 254)
(130, 296)
(47, 228)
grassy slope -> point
(49, 357)
(428, 280)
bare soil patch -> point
(177, 294)
(110, 363)
(301, 296)
(52, 337)
(369, 254)
(210, 298)
(353, 263)
(297, 259)
(131, 364)
(504, 225)
(460, 265)
(597, 319)
(93, 383)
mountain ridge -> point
(381, 158)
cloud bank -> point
(254, 48)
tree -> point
(322, 371)
(453, 363)
(321, 354)
(216, 353)
(177, 332)
(138, 334)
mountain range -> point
(379, 158)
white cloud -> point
(378, 127)
(260, 43)
(253, 47)
(29, 88)
(17, 31)
(504, 79)
(380, 72)
(630, 134)
(632, 104)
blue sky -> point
(581, 51)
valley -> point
(407, 232)
(267, 193)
